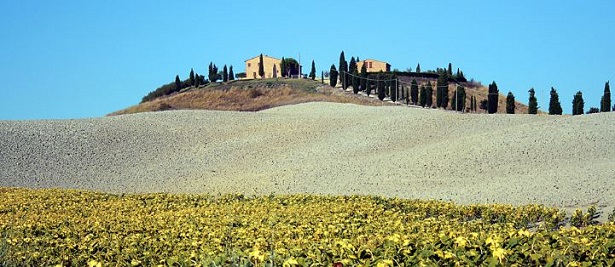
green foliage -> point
(555, 107)
(458, 100)
(414, 92)
(510, 103)
(393, 89)
(291, 67)
(274, 71)
(578, 104)
(240, 75)
(423, 97)
(313, 71)
(593, 110)
(440, 84)
(418, 68)
(231, 75)
(492, 98)
(532, 103)
(611, 217)
(332, 76)
(484, 104)
(605, 102)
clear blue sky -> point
(76, 59)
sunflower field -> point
(53, 227)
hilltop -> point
(260, 94)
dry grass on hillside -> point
(250, 96)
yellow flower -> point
(94, 263)
(499, 253)
(460, 241)
(290, 262)
(385, 263)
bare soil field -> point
(323, 148)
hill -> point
(322, 148)
(255, 95)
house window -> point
(370, 65)
(249, 65)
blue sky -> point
(76, 59)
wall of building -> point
(268, 63)
(374, 65)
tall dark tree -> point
(283, 67)
(405, 95)
(605, 102)
(192, 80)
(343, 69)
(178, 83)
(532, 103)
(423, 97)
(458, 100)
(197, 80)
(368, 87)
(555, 107)
(275, 71)
(313, 71)
(429, 95)
(332, 76)
(355, 82)
(510, 103)
(231, 75)
(352, 66)
(484, 104)
(472, 103)
(261, 67)
(442, 91)
(418, 68)
(393, 88)
(450, 69)
(492, 98)
(363, 77)
(213, 72)
(578, 104)
(381, 86)
(225, 73)
(475, 107)
(414, 92)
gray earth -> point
(323, 148)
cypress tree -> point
(405, 94)
(213, 72)
(429, 94)
(368, 87)
(332, 76)
(197, 80)
(450, 69)
(418, 68)
(261, 67)
(578, 104)
(178, 83)
(355, 82)
(423, 97)
(475, 105)
(231, 75)
(471, 103)
(393, 89)
(343, 69)
(381, 87)
(492, 98)
(414, 92)
(439, 91)
(225, 74)
(458, 100)
(283, 67)
(555, 107)
(510, 103)
(532, 103)
(363, 77)
(192, 81)
(605, 102)
(275, 71)
(313, 71)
